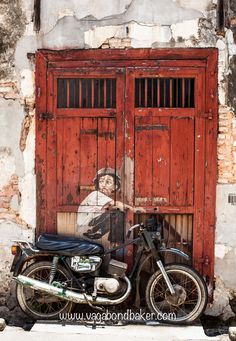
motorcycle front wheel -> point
(189, 300)
(40, 305)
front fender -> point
(161, 250)
(175, 251)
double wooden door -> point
(144, 127)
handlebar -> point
(133, 228)
(149, 226)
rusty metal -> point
(222, 9)
(36, 15)
(152, 127)
(46, 116)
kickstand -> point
(93, 306)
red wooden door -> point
(85, 146)
(165, 107)
(131, 129)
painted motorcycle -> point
(57, 272)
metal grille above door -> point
(86, 93)
(164, 92)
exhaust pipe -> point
(70, 295)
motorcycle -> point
(57, 272)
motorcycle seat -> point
(70, 246)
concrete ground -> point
(57, 332)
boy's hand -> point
(122, 207)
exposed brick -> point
(6, 194)
(226, 146)
(118, 43)
(24, 131)
(9, 90)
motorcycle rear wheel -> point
(38, 304)
(189, 301)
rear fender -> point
(23, 257)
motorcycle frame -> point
(145, 245)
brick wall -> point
(226, 146)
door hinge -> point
(205, 260)
(46, 116)
(207, 115)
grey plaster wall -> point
(225, 250)
(11, 115)
(226, 216)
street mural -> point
(100, 215)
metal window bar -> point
(164, 92)
(86, 93)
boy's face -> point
(106, 184)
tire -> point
(29, 299)
(192, 295)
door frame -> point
(46, 60)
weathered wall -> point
(106, 24)
(17, 180)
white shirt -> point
(90, 208)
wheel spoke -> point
(186, 301)
(190, 302)
(181, 310)
(182, 282)
(40, 302)
(192, 291)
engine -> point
(114, 284)
(106, 285)
(84, 263)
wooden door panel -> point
(182, 161)
(164, 161)
(152, 160)
(143, 161)
(68, 164)
(88, 156)
(84, 145)
(165, 106)
(161, 161)
(106, 143)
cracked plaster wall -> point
(105, 24)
